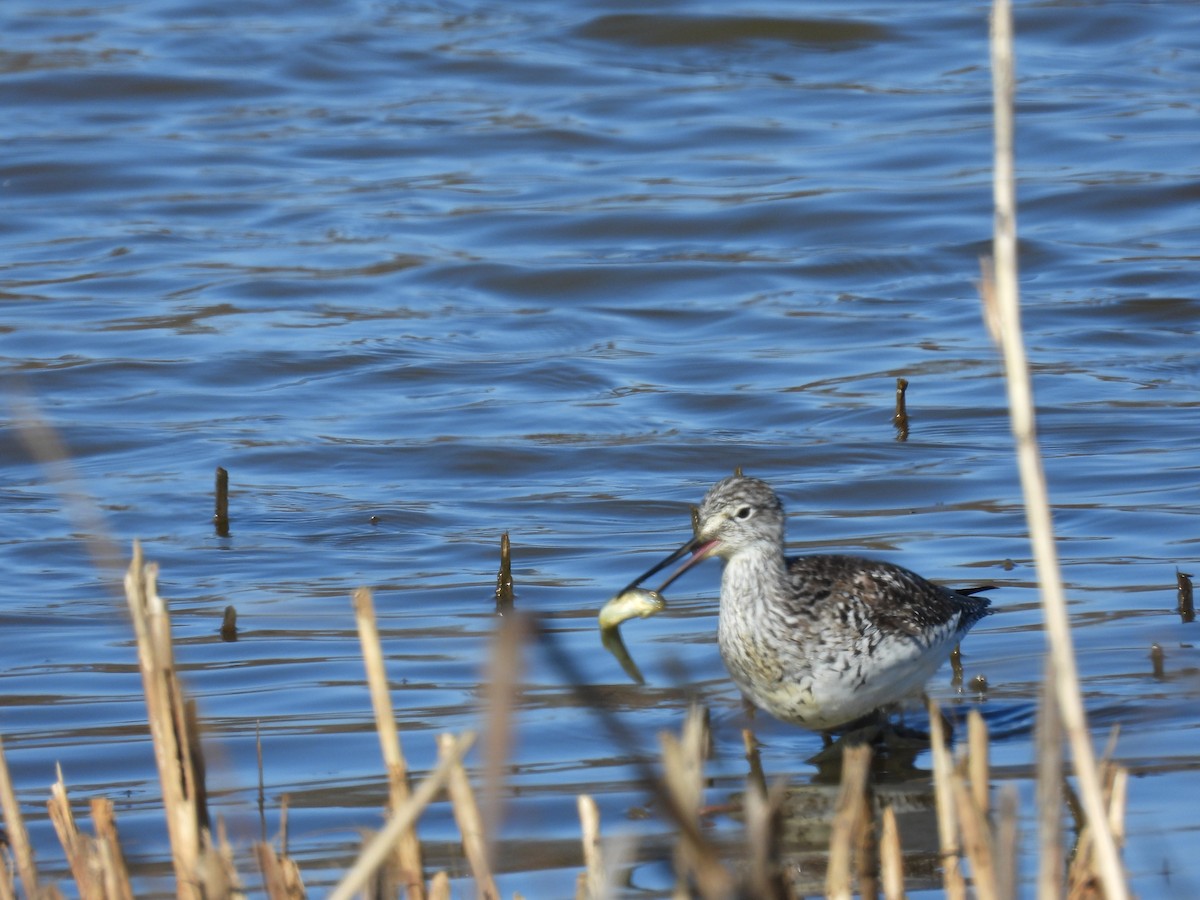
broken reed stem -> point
(179, 772)
(500, 688)
(408, 846)
(470, 826)
(977, 838)
(977, 759)
(683, 777)
(375, 853)
(593, 860)
(850, 817)
(943, 770)
(891, 857)
(1006, 843)
(1005, 303)
(280, 875)
(108, 847)
(18, 837)
(73, 843)
(1048, 740)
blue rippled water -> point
(420, 273)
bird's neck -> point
(755, 576)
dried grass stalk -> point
(108, 851)
(977, 760)
(683, 782)
(18, 837)
(891, 857)
(77, 846)
(1006, 844)
(380, 846)
(408, 846)
(281, 876)
(977, 838)
(850, 818)
(764, 872)
(594, 882)
(439, 886)
(501, 687)
(1048, 735)
(180, 770)
(470, 826)
(1002, 298)
(943, 771)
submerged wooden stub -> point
(1187, 606)
(221, 515)
(504, 579)
(229, 624)
(900, 417)
(1158, 660)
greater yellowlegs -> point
(822, 641)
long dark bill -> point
(697, 547)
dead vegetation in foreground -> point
(977, 834)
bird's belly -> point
(831, 686)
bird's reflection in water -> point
(806, 811)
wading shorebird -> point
(821, 641)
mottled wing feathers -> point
(891, 597)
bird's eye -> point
(744, 512)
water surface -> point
(421, 273)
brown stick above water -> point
(221, 515)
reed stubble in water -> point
(865, 841)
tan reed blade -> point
(408, 847)
(851, 818)
(199, 871)
(377, 850)
(18, 837)
(470, 826)
(1003, 305)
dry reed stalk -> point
(375, 853)
(281, 875)
(76, 846)
(1006, 843)
(175, 747)
(766, 878)
(108, 851)
(1083, 874)
(1048, 739)
(943, 770)
(439, 886)
(18, 837)
(977, 759)
(284, 803)
(470, 826)
(891, 857)
(850, 817)
(1002, 297)
(683, 780)
(977, 838)
(594, 882)
(500, 689)
(755, 774)
(8, 884)
(408, 846)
